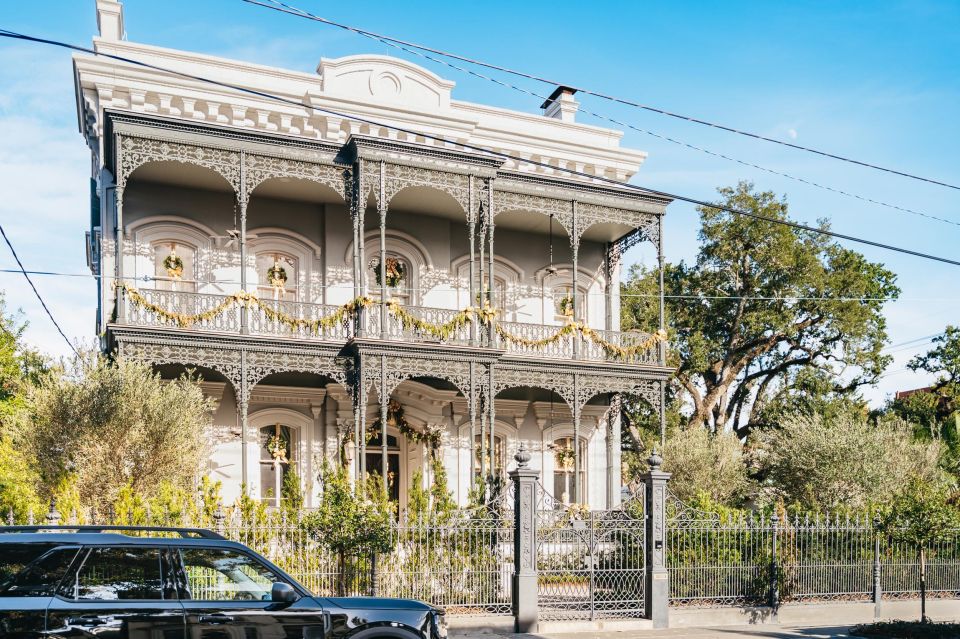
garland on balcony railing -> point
(485, 314)
(441, 331)
(184, 320)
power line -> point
(39, 297)
(620, 123)
(288, 9)
(479, 149)
(755, 298)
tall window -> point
(173, 266)
(276, 458)
(277, 277)
(563, 469)
(375, 462)
(499, 453)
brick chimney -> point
(110, 20)
(561, 105)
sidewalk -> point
(724, 632)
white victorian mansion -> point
(352, 292)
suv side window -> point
(118, 573)
(33, 570)
(223, 574)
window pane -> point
(215, 574)
(120, 573)
(32, 570)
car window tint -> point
(220, 574)
(32, 570)
(119, 573)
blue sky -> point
(878, 81)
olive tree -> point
(104, 426)
(843, 462)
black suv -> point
(176, 583)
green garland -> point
(432, 438)
(485, 315)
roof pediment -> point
(386, 80)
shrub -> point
(844, 463)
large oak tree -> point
(762, 302)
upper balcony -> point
(292, 319)
(256, 238)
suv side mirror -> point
(283, 593)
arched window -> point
(563, 472)
(276, 460)
(277, 276)
(174, 266)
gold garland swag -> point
(485, 314)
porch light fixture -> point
(551, 269)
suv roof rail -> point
(201, 533)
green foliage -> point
(291, 493)
(846, 463)
(921, 514)
(418, 499)
(704, 464)
(19, 368)
(351, 520)
(18, 479)
(763, 300)
(113, 425)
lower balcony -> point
(414, 324)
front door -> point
(123, 592)
(226, 594)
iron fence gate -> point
(591, 565)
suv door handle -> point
(215, 619)
(86, 620)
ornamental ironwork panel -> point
(590, 565)
(260, 168)
(204, 306)
(262, 323)
(136, 151)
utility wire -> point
(288, 9)
(754, 298)
(479, 149)
(620, 123)
(39, 297)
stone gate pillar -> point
(524, 543)
(656, 579)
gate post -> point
(524, 595)
(656, 593)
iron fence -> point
(591, 565)
(750, 559)
(463, 563)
